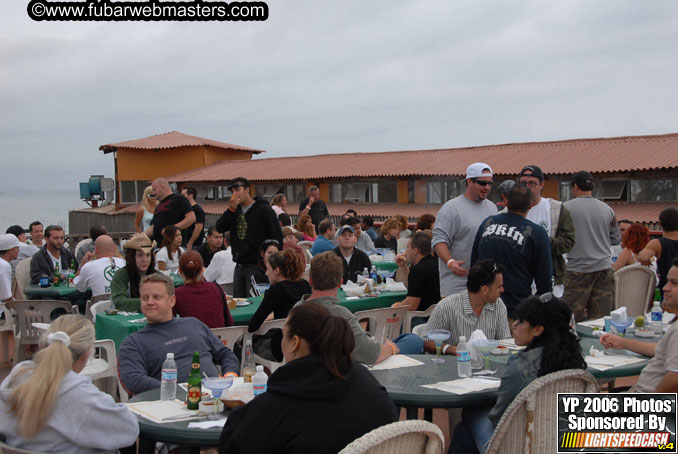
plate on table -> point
(239, 302)
(644, 332)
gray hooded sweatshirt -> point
(84, 420)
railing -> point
(72, 240)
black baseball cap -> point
(237, 182)
(16, 230)
(583, 179)
(532, 171)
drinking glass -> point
(438, 336)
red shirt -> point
(204, 301)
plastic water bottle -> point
(373, 274)
(168, 382)
(259, 381)
(656, 321)
(463, 358)
(365, 273)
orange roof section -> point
(636, 212)
(602, 155)
(173, 139)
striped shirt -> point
(455, 314)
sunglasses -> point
(271, 243)
(546, 297)
(483, 182)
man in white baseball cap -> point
(456, 226)
(9, 250)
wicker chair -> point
(634, 288)
(406, 437)
(529, 424)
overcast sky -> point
(330, 77)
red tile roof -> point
(647, 213)
(558, 157)
(172, 139)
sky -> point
(332, 77)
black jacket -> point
(41, 263)
(307, 410)
(359, 261)
(262, 224)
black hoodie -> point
(262, 224)
(308, 410)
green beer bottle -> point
(194, 383)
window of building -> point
(565, 191)
(386, 191)
(610, 189)
(267, 191)
(335, 193)
(660, 190)
(132, 191)
(295, 193)
(357, 192)
(440, 191)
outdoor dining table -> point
(177, 432)
(117, 327)
(404, 385)
(385, 266)
(588, 331)
(35, 292)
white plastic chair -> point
(6, 332)
(103, 364)
(98, 307)
(403, 437)
(634, 288)
(529, 423)
(407, 328)
(402, 243)
(22, 277)
(229, 335)
(387, 322)
(263, 329)
(93, 301)
(420, 330)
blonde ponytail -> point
(33, 400)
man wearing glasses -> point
(554, 218)
(250, 221)
(456, 226)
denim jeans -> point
(242, 279)
(409, 344)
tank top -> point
(669, 251)
(146, 219)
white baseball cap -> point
(8, 241)
(475, 170)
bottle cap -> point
(170, 355)
(260, 368)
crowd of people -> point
(521, 268)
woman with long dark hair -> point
(319, 401)
(47, 406)
(284, 270)
(197, 298)
(543, 326)
(267, 248)
(171, 250)
(139, 262)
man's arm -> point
(565, 235)
(132, 369)
(622, 343)
(543, 265)
(615, 237)
(412, 302)
(189, 219)
(227, 219)
(196, 233)
(439, 320)
(39, 267)
(669, 383)
(653, 249)
(305, 206)
(403, 272)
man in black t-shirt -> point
(314, 207)
(172, 209)
(192, 236)
(421, 279)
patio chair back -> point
(407, 327)
(263, 329)
(93, 301)
(634, 288)
(33, 311)
(229, 335)
(385, 323)
(22, 277)
(529, 423)
(103, 365)
(403, 437)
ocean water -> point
(49, 206)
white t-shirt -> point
(221, 268)
(170, 265)
(5, 280)
(540, 214)
(97, 275)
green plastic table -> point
(35, 292)
(191, 440)
(587, 331)
(117, 327)
(404, 384)
(385, 266)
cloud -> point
(320, 77)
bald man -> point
(97, 273)
(172, 209)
